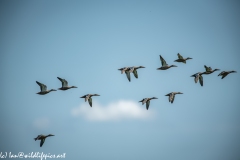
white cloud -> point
(41, 123)
(114, 111)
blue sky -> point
(85, 42)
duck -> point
(126, 70)
(225, 73)
(42, 138)
(198, 76)
(172, 96)
(65, 85)
(147, 101)
(88, 97)
(134, 70)
(43, 88)
(209, 70)
(164, 64)
(181, 59)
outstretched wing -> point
(224, 75)
(179, 56)
(220, 74)
(135, 73)
(147, 104)
(124, 69)
(86, 97)
(37, 137)
(196, 78)
(90, 101)
(201, 80)
(144, 101)
(64, 82)
(128, 75)
(172, 96)
(208, 69)
(164, 63)
(42, 141)
(43, 87)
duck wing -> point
(147, 104)
(90, 101)
(179, 56)
(172, 96)
(208, 69)
(196, 78)
(201, 80)
(164, 63)
(128, 75)
(42, 141)
(64, 82)
(135, 73)
(43, 87)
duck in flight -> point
(181, 59)
(198, 76)
(134, 70)
(225, 73)
(65, 85)
(147, 101)
(209, 70)
(43, 88)
(88, 97)
(164, 64)
(127, 71)
(42, 138)
(172, 96)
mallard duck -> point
(164, 64)
(88, 97)
(225, 73)
(181, 59)
(172, 96)
(134, 70)
(209, 70)
(43, 88)
(65, 85)
(147, 101)
(126, 70)
(42, 138)
(198, 76)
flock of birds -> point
(127, 70)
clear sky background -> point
(85, 42)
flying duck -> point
(43, 88)
(172, 96)
(147, 101)
(164, 64)
(88, 97)
(65, 85)
(181, 59)
(42, 138)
